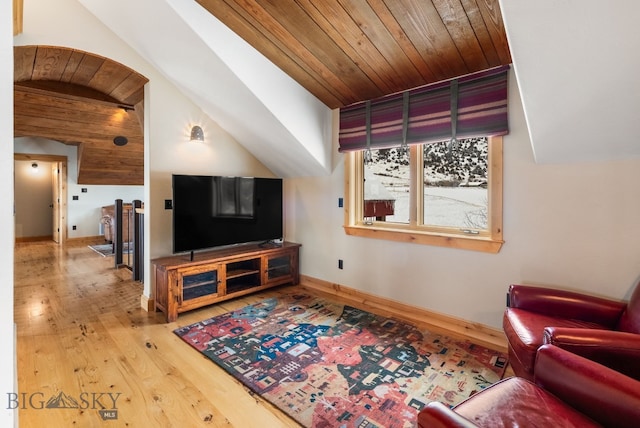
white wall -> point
(7, 331)
(218, 155)
(33, 199)
(574, 226)
(85, 212)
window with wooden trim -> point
(436, 194)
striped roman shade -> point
(423, 115)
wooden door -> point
(55, 204)
(62, 198)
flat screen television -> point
(214, 211)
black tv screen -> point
(212, 211)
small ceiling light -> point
(197, 134)
(34, 165)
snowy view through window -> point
(454, 179)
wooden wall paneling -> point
(481, 32)
(424, 27)
(51, 63)
(462, 33)
(492, 17)
(404, 42)
(380, 38)
(108, 77)
(294, 28)
(72, 66)
(24, 58)
(332, 18)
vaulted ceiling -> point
(578, 106)
(340, 51)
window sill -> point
(475, 243)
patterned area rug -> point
(332, 365)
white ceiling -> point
(576, 62)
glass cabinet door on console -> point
(198, 282)
(184, 283)
(279, 268)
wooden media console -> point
(183, 283)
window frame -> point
(489, 241)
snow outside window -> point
(438, 194)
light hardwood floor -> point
(81, 331)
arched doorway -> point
(85, 100)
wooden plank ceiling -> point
(345, 51)
(342, 51)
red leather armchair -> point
(606, 331)
(569, 391)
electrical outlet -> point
(73, 227)
(84, 190)
(75, 197)
(168, 204)
(340, 202)
(340, 264)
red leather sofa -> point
(606, 331)
(569, 391)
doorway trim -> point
(62, 166)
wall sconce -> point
(197, 134)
